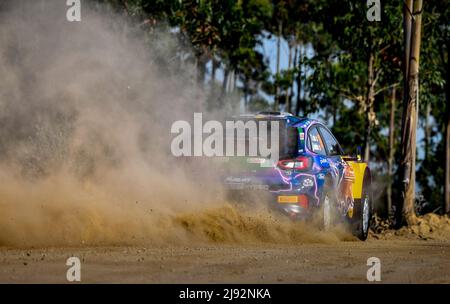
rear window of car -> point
(287, 137)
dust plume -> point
(85, 115)
(232, 225)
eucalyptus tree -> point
(433, 173)
(362, 48)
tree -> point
(362, 48)
(413, 22)
(241, 32)
(391, 149)
(279, 17)
(433, 104)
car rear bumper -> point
(294, 204)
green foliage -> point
(434, 67)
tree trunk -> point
(126, 10)
(226, 74)
(370, 98)
(288, 91)
(277, 87)
(233, 80)
(447, 141)
(334, 110)
(427, 130)
(407, 22)
(391, 152)
(409, 121)
(215, 64)
(447, 158)
(201, 70)
(299, 82)
(294, 66)
(246, 91)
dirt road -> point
(403, 261)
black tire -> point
(327, 212)
(362, 213)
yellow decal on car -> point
(359, 168)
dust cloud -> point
(85, 115)
(231, 225)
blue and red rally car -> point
(313, 177)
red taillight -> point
(299, 163)
(303, 201)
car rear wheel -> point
(327, 208)
(326, 213)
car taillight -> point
(299, 163)
(303, 201)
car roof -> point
(293, 120)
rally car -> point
(312, 178)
